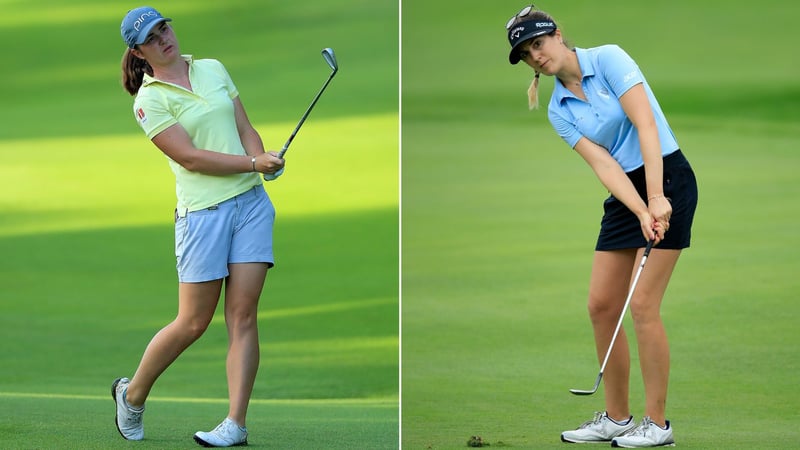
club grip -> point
(649, 247)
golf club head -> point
(330, 58)
(590, 391)
(582, 392)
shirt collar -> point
(587, 70)
(147, 80)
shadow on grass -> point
(80, 307)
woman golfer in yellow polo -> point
(190, 109)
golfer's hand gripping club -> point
(274, 175)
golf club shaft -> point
(303, 119)
(627, 303)
(619, 322)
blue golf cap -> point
(137, 24)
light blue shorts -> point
(238, 230)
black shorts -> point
(620, 228)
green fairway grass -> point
(86, 228)
(78, 421)
(500, 219)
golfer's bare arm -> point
(610, 173)
(178, 146)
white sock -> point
(627, 421)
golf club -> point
(619, 323)
(330, 58)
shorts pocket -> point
(181, 228)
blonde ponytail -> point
(533, 93)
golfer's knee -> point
(241, 319)
(643, 312)
(193, 328)
(602, 309)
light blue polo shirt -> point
(608, 72)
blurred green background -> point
(500, 217)
(88, 269)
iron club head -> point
(582, 392)
(330, 58)
(591, 391)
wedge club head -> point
(330, 58)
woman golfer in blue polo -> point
(604, 109)
(190, 109)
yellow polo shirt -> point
(207, 114)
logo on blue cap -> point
(524, 31)
(137, 24)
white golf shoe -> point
(647, 434)
(226, 434)
(128, 419)
(600, 429)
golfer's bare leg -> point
(608, 289)
(242, 291)
(196, 305)
(650, 334)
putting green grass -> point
(86, 229)
(500, 218)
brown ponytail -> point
(133, 70)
